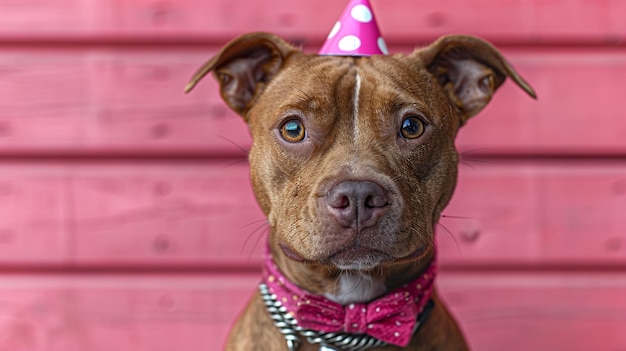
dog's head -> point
(353, 158)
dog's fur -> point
(352, 109)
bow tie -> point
(390, 318)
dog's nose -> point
(357, 204)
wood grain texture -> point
(44, 98)
(568, 117)
(34, 214)
(98, 313)
(127, 221)
(511, 20)
(540, 311)
(140, 104)
(192, 213)
(563, 213)
(127, 101)
(167, 214)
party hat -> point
(355, 33)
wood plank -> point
(205, 214)
(139, 98)
(190, 214)
(43, 18)
(34, 218)
(166, 214)
(534, 20)
(565, 213)
(44, 98)
(491, 218)
(131, 101)
(512, 311)
(540, 311)
(87, 312)
(511, 20)
(582, 214)
(139, 105)
(218, 18)
(567, 117)
(92, 101)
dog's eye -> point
(412, 127)
(292, 131)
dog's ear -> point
(470, 70)
(244, 67)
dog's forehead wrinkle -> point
(330, 68)
(301, 96)
(384, 97)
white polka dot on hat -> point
(355, 33)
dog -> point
(353, 161)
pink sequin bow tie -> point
(390, 318)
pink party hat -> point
(356, 33)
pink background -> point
(127, 220)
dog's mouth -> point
(291, 254)
(358, 257)
(363, 258)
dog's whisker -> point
(455, 217)
(258, 232)
(469, 157)
(253, 223)
(456, 243)
(258, 239)
(473, 162)
(336, 281)
(234, 163)
(232, 142)
(474, 159)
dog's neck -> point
(392, 318)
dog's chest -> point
(356, 287)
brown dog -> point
(353, 161)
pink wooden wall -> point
(127, 221)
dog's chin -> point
(360, 265)
(357, 258)
(366, 259)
